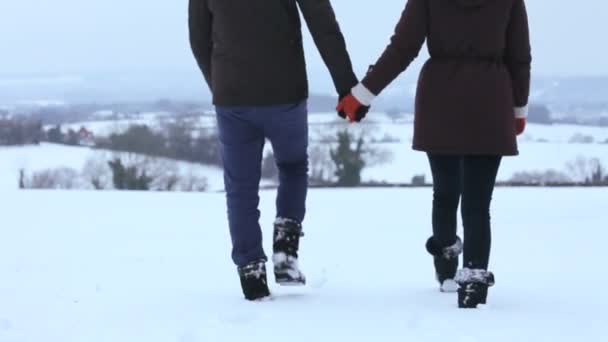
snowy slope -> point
(542, 148)
(124, 267)
(406, 163)
(50, 156)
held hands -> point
(355, 105)
(350, 108)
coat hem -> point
(464, 152)
(260, 102)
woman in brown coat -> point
(470, 106)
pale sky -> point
(73, 36)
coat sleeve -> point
(404, 47)
(321, 21)
(199, 24)
(518, 56)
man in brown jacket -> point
(251, 55)
(470, 106)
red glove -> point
(520, 125)
(355, 111)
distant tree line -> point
(62, 114)
(539, 114)
(20, 132)
(582, 171)
(73, 138)
(120, 172)
(177, 140)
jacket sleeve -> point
(199, 24)
(404, 47)
(321, 21)
(518, 56)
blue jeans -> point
(242, 134)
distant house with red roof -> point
(86, 137)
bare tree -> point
(375, 156)
(97, 172)
(540, 178)
(590, 171)
(578, 169)
(321, 166)
(598, 174)
(164, 172)
(61, 178)
(21, 179)
(193, 183)
(580, 138)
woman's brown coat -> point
(478, 75)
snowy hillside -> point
(51, 156)
(542, 147)
(534, 156)
(122, 267)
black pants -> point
(471, 178)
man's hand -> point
(341, 113)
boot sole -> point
(258, 297)
(291, 283)
(289, 277)
(283, 281)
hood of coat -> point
(471, 3)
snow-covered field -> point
(124, 267)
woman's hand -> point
(520, 125)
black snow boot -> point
(445, 259)
(474, 284)
(253, 280)
(286, 242)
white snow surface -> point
(155, 267)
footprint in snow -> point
(188, 336)
(5, 324)
(320, 280)
(236, 318)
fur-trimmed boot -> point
(253, 280)
(445, 259)
(286, 243)
(474, 284)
